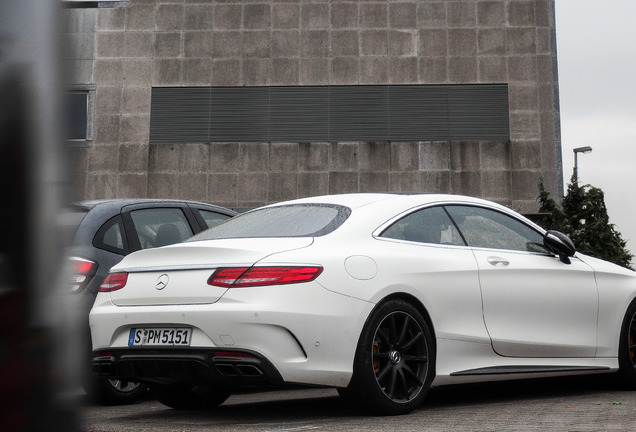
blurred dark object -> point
(33, 183)
(15, 374)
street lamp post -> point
(586, 149)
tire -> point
(188, 397)
(627, 350)
(394, 362)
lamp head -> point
(586, 149)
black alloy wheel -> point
(394, 363)
(107, 391)
(627, 349)
(122, 391)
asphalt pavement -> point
(564, 404)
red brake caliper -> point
(376, 361)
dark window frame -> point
(89, 4)
(132, 226)
(540, 249)
(98, 239)
(509, 218)
(420, 233)
(89, 91)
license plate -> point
(159, 336)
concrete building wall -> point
(123, 52)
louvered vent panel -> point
(479, 112)
(299, 114)
(239, 114)
(419, 113)
(179, 114)
(336, 113)
(359, 113)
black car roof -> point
(122, 202)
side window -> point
(211, 218)
(490, 229)
(430, 225)
(160, 226)
(110, 236)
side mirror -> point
(559, 244)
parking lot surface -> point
(570, 404)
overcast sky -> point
(596, 48)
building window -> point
(80, 107)
(86, 4)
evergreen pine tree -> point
(584, 218)
(554, 219)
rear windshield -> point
(295, 220)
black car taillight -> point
(114, 282)
(243, 277)
(82, 271)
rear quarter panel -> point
(442, 278)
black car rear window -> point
(294, 220)
(110, 236)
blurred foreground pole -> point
(33, 189)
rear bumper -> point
(186, 366)
(307, 333)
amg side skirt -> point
(509, 370)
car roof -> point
(125, 201)
(122, 202)
(357, 200)
(378, 207)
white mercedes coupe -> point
(379, 295)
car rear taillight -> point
(243, 277)
(82, 271)
(114, 282)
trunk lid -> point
(178, 274)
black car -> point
(105, 232)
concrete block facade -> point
(123, 52)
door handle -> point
(493, 260)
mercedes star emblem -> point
(162, 281)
